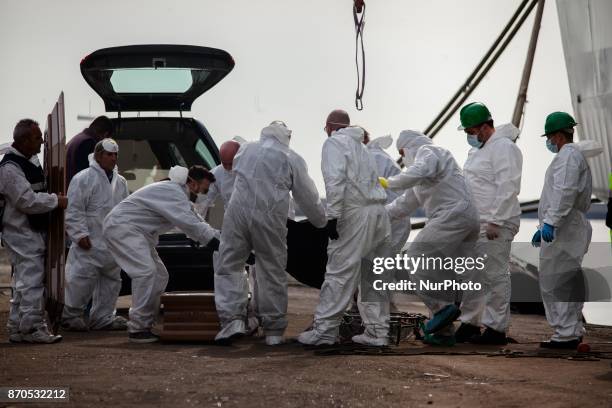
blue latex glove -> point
(548, 233)
(537, 239)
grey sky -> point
(294, 62)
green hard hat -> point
(557, 121)
(473, 114)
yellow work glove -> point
(383, 182)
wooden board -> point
(189, 316)
(55, 172)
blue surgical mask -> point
(473, 141)
(551, 146)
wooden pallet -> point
(55, 168)
(189, 316)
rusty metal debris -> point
(401, 326)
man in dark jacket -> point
(81, 145)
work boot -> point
(368, 340)
(274, 340)
(15, 337)
(443, 318)
(76, 324)
(143, 337)
(117, 324)
(465, 332)
(41, 335)
(565, 345)
(314, 338)
(233, 330)
(490, 336)
(439, 340)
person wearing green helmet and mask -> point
(565, 232)
(493, 173)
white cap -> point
(108, 145)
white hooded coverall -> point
(255, 220)
(386, 167)
(356, 199)
(440, 188)
(493, 173)
(92, 272)
(131, 231)
(565, 199)
(26, 247)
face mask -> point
(551, 146)
(408, 157)
(406, 161)
(473, 141)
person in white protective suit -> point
(222, 188)
(224, 179)
(24, 222)
(434, 181)
(359, 230)
(564, 233)
(255, 220)
(132, 229)
(91, 271)
(493, 173)
(386, 167)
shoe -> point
(443, 318)
(314, 338)
(465, 332)
(74, 325)
(252, 326)
(41, 335)
(490, 336)
(15, 337)
(566, 345)
(143, 337)
(368, 340)
(233, 330)
(274, 340)
(439, 340)
(117, 324)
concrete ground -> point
(104, 369)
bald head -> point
(337, 119)
(227, 151)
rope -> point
(359, 8)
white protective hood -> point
(411, 140)
(382, 142)
(278, 132)
(589, 148)
(508, 130)
(178, 174)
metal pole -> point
(480, 64)
(522, 94)
(481, 76)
